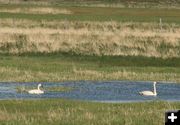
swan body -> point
(36, 91)
(147, 93)
(150, 93)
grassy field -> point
(66, 67)
(75, 50)
(101, 3)
(66, 112)
(90, 38)
(101, 43)
(89, 30)
(74, 13)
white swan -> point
(149, 93)
(36, 91)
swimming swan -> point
(36, 91)
(149, 93)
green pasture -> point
(98, 14)
(68, 67)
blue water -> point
(110, 91)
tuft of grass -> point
(21, 89)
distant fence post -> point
(160, 23)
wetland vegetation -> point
(65, 112)
(55, 40)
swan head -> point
(155, 82)
(40, 85)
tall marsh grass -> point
(90, 38)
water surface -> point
(109, 91)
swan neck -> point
(155, 89)
(38, 87)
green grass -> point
(100, 14)
(121, 3)
(67, 67)
(66, 112)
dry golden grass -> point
(4, 116)
(31, 2)
(90, 38)
(37, 10)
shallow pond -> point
(109, 91)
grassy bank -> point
(65, 67)
(64, 112)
